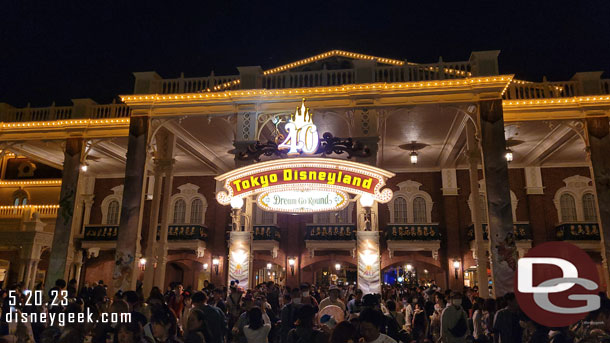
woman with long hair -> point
(196, 328)
(164, 325)
(259, 326)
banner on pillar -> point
(369, 264)
(239, 259)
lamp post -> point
(291, 263)
(216, 263)
(236, 204)
(205, 267)
(456, 267)
(366, 200)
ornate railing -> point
(540, 90)
(174, 233)
(54, 113)
(412, 232)
(577, 231)
(198, 84)
(18, 211)
(329, 232)
(266, 233)
(521, 231)
(101, 232)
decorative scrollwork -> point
(328, 145)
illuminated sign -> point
(302, 134)
(303, 201)
(305, 174)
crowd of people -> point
(270, 313)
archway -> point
(411, 271)
(331, 270)
(265, 271)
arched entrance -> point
(187, 271)
(265, 271)
(332, 271)
(412, 272)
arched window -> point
(113, 213)
(266, 217)
(196, 211)
(568, 208)
(20, 197)
(588, 206)
(400, 210)
(179, 211)
(419, 210)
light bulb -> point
(237, 202)
(215, 261)
(338, 266)
(142, 261)
(409, 267)
(413, 157)
(291, 261)
(366, 200)
(84, 167)
(456, 264)
(268, 265)
(509, 155)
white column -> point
(474, 157)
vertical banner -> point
(369, 263)
(239, 258)
(503, 251)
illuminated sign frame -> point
(305, 173)
(302, 205)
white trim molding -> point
(117, 194)
(577, 186)
(188, 193)
(409, 190)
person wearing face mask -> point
(306, 298)
(435, 318)
(454, 326)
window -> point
(341, 216)
(588, 206)
(568, 208)
(179, 211)
(113, 213)
(196, 211)
(266, 218)
(20, 197)
(400, 210)
(324, 218)
(419, 210)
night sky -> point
(51, 52)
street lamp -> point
(367, 201)
(338, 267)
(205, 267)
(291, 263)
(216, 263)
(142, 263)
(456, 267)
(236, 204)
(509, 155)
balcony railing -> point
(413, 232)
(54, 113)
(174, 233)
(329, 232)
(577, 232)
(45, 211)
(521, 231)
(266, 233)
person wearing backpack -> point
(454, 326)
